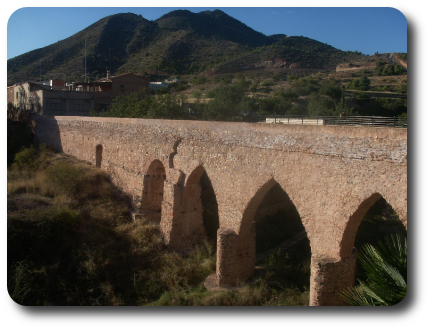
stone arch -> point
(236, 255)
(333, 273)
(355, 220)
(153, 190)
(99, 153)
(338, 274)
(350, 232)
(252, 206)
(194, 226)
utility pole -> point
(110, 67)
(85, 76)
(343, 97)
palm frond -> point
(386, 269)
(356, 297)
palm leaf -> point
(386, 269)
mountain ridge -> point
(179, 42)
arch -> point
(237, 260)
(153, 188)
(347, 243)
(266, 192)
(347, 267)
(353, 224)
(99, 153)
(192, 180)
(253, 204)
(198, 223)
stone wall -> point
(332, 174)
(347, 68)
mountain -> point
(213, 25)
(180, 42)
(66, 58)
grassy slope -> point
(71, 242)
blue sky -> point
(367, 30)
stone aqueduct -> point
(332, 174)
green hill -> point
(180, 42)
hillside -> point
(180, 42)
(66, 58)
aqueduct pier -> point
(332, 174)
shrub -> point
(199, 80)
(26, 158)
(31, 159)
(19, 139)
(267, 83)
(196, 94)
(66, 177)
(37, 244)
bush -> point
(66, 177)
(332, 90)
(267, 83)
(199, 80)
(19, 138)
(27, 158)
(37, 244)
(31, 159)
(196, 94)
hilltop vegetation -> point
(245, 95)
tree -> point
(364, 82)
(318, 105)
(332, 90)
(386, 269)
(167, 107)
(134, 105)
(254, 87)
(398, 69)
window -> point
(103, 107)
(55, 106)
(121, 87)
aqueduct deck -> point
(332, 174)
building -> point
(27, 95)
(10, 93)
(81, 99)
(157, 85)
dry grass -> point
(71, 241)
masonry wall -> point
(325, 170)
(329, 172)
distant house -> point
(56, 84)
(27, 95)
(157, 85)
(80, 99)
(10, 95)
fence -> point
(376, 121)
